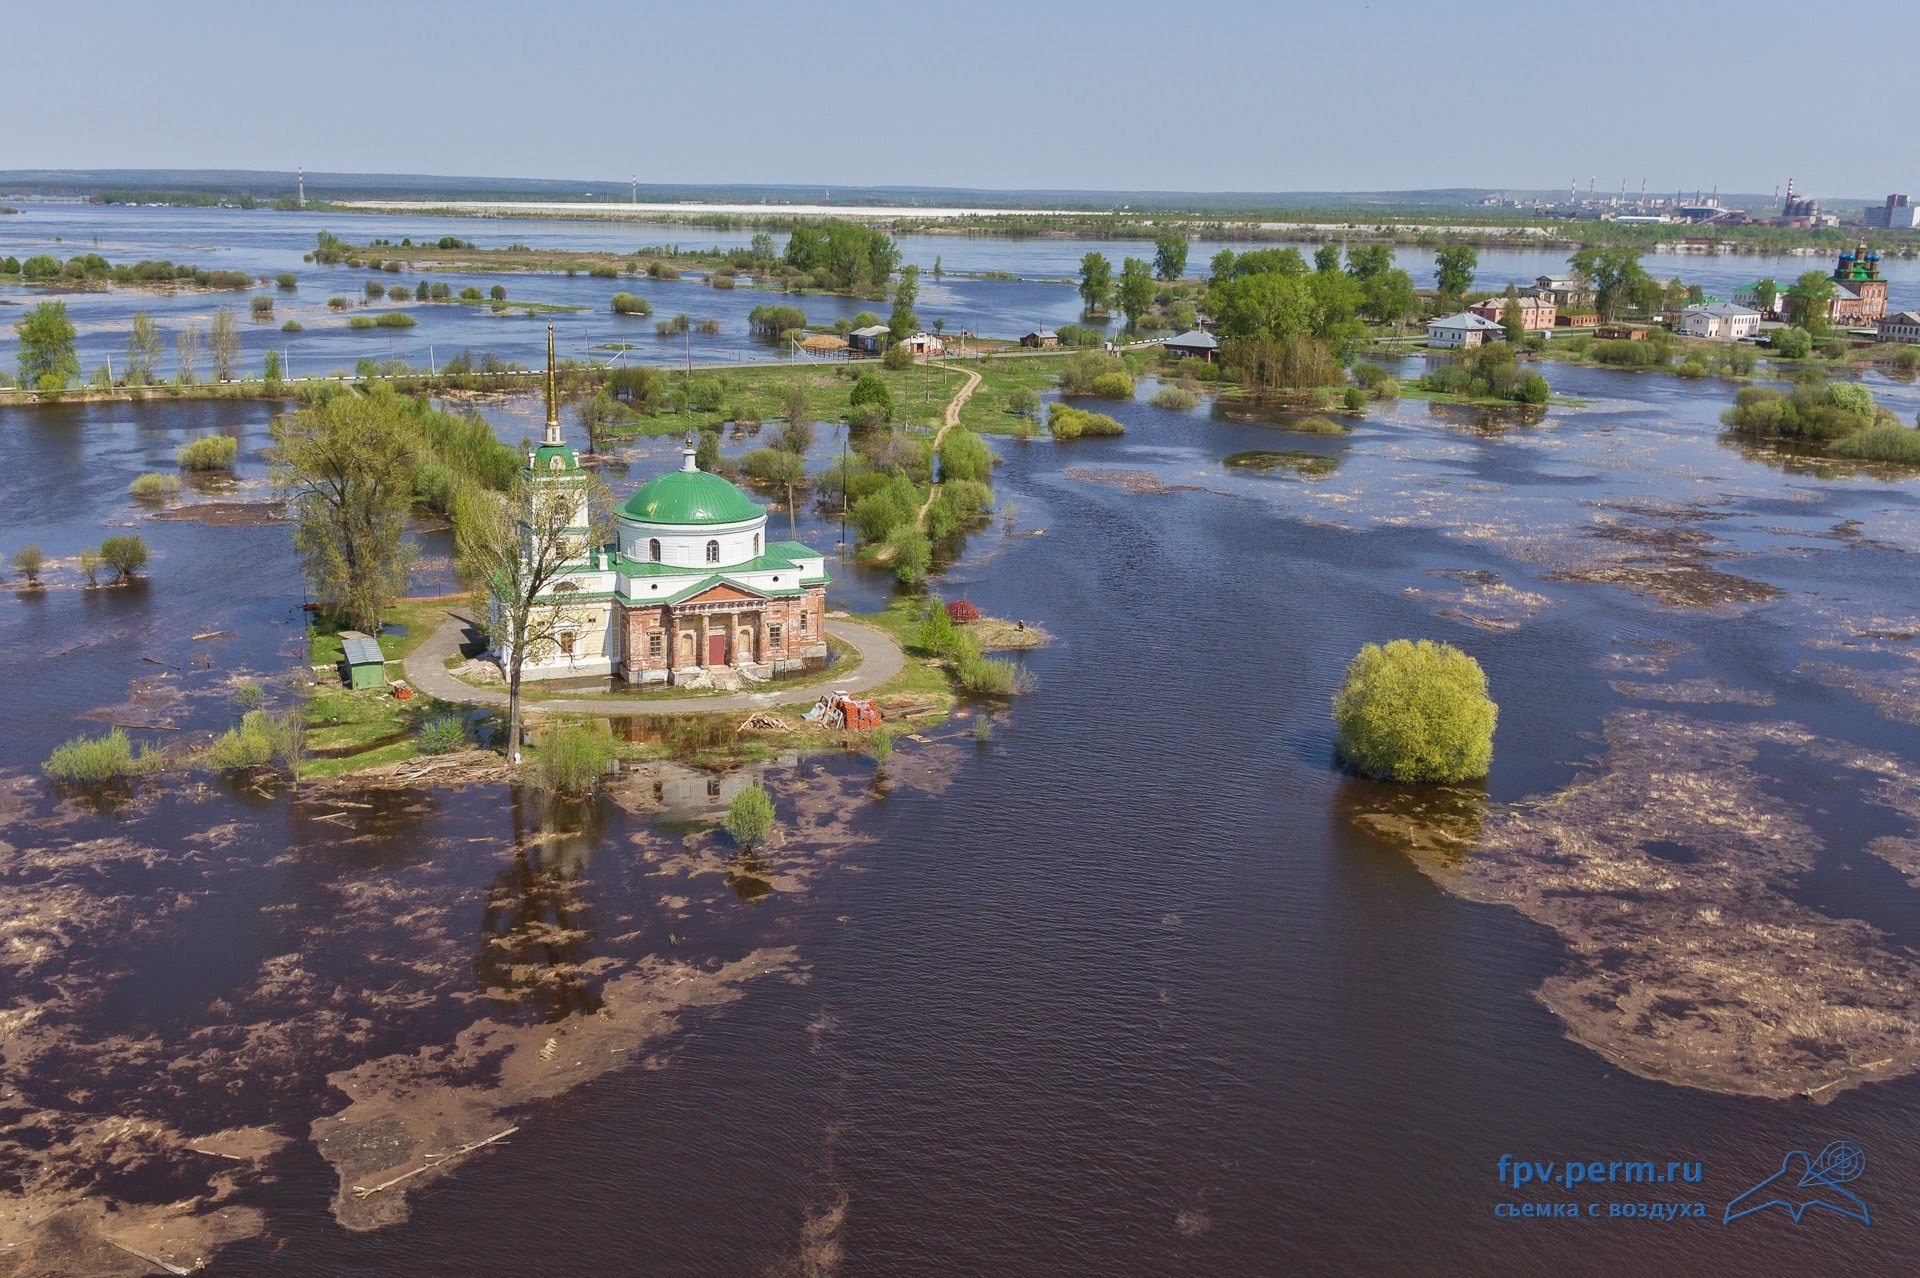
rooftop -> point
(690, 496)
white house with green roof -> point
(689, 587)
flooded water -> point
(264, 242)
(1126, 989)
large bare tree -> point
(517, 547)
(223, 339)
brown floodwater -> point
(1138, 984)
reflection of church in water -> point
(691, 584)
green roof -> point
(543, 456)
(792, 550)
(690, 497)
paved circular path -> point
(880, 660)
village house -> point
(925, 344)
(1536, 313)
(1192, 344)
(1464, 329)
(690, 592)
(1904, 327)
(1621, 332)
(1565, 291)
(1722, 320)
(1040, 339)
(870, 340)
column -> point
(762, 650)
(700, 658)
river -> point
(1125, 989)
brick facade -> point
(771, 636)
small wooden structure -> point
(1040, 339)
(870, 340)
(365, 665)
(925, 344)
(1622, 332)
(823, 344)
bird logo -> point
(1804, 1182)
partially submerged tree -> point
(223, 340)
(1096, 283)
(1136, 290)
(749, 817)
(45, 357)
(143, 350)
(517, 546)
(348, 469)
(126, 555)
(27, 561)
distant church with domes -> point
(690, 587)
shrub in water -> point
(749, 817)
(126, 554)
(1791, 343)
(442, 733)
(248, 695)
(624, 304)
(1316, 426)
(396, 319)
(1415, 712)
(360, 321)
(960, 612)
(1175, 399)
(154, 487)
(96, 760)
(1883, 441)
(573, 757)
(210, 452)
(1112, 386)
(1067, 422)
(261, 740)
(880, 745)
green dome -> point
(690, 497)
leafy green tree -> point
(347, 466)
(1136, 290)
(1618, 279)
(27, 561)
(1169, 255)
(1765, 294)
(126, 555)
(1510, 318)
(1791, 343)
(1096, 283)
(1454, 265)
(903, 323)
(1272, 261)
(1388, 297)
(749, 817)
(843, 255)
(871, 388)
(1326, 258)
(1369, 261)
(1810, 302)
(1222, 266)
(46, 355)
(143, 350)
(1415, 712)
(273, 374)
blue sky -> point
(1372, 94)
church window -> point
(803, 623)
(656, 644)
(713, 552)
(773, 636)
(756, 544)
(566, 643)
(653, 549)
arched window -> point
(756, 545)
(653, 549)
(554, 463)
(713, 552)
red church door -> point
(717, 649)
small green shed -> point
(366, 664)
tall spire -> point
(553, 403)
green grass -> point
(421, 617)
(348, 730)
(920, 395)
(989, 411)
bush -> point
(126, 554)
(964, 455)
(1883, 441)
(287, 280)
(1372, 376)
(866, 417)
(154, 487)
(28, 560)
(960, 612)
(498, 292)
(1791, 343)
(1812, 411)
(261, 740)
(572, 758)
(395, 319)
(1079, 371)
(1112, 386)
(1067, 422)
(870, 389)
(210, 452)
(1851, 396)
(1354, 400)
(338, 303)
(1533, 389)
(292, 326)
(249, 695)
(1415, 711)
(97, 760)
(1024, 401)
(898, 358)
(880, 745)
(628, 304)
(1316, 426)
(360, 321)
(749, 817)
(442, 734)
(994, 677)
(262, 306)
